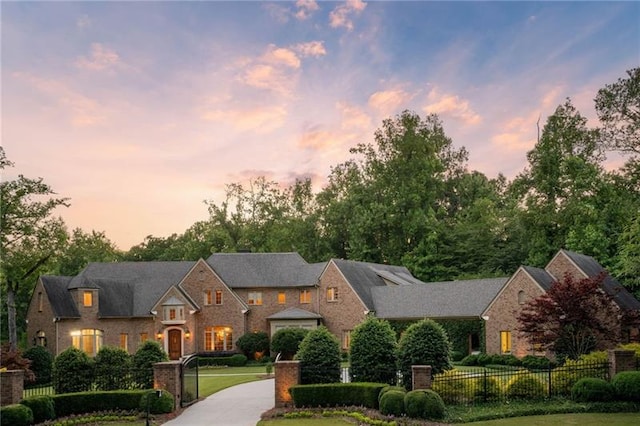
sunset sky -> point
(140, 111)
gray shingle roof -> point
(451, 299)
(591, 267)
(542, 277)
(244, 270)
(294, 313)
(364, 276)
(58, 295)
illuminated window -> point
(305, 296)
(218, 338)
(144, 337)
(124, 341)
(346, 339)
(87, 340)
(332, 294)
(40, 301)
(255, 298)
(505, 342)
(88, 299)
(208, 297)
(282, 298)
(174, 313)
(218, 297)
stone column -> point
(620, 360)
(11, 387)
(166, 376)
(287, 375)
(420, 377)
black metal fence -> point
(189, 371)
(485, 385)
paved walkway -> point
(239, 405)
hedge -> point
(16, 415)
(337, 394)
(89, 402)
(43, 408)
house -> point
(206, 305)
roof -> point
(540, 276)
(293, 314)
(56, 289)
(246, 270)
(591, 268)
(450, 299)
(364, 277)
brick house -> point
(206, 305)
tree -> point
(254, 345)
(373, 352)
(83, 248)
(30, 237)
(72, 371)
(147, 354)
(572, 318)
(287, 341)
(319, 356)
(423, 343)
(618, 108)
(112, 368)
(629, 258)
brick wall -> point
(166, 376)
(560, 265)
(287, 374)
(11, 387)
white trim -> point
(504, 287)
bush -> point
(627, 385)
(337, 394)
(392, 403)
(235, 360)
(424, 404)
(16, 415)
(435, 406)
(455, 387)
(90, 402)
(319, 356)
(470, 360)
(487, 389)
(390, 388)
(590, 389)
(591, 365)
(484, 360)
(456, 356)
(532, 362)
(157, 405)
(423, 343)
(287, 341)
(41, 363)
(254, 345)
(525, 386)
(42, 408)
(372, 352)
(148, 354)
(72, 371)
(112, 367)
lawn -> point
(213, 380)
(583, 419)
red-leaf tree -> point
(572, 318)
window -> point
(88, 299)
(332, 294)
(255, 298)
(41, 338)
(218, 338)
(305, 296)
(87, 340)
(505, 342)
(346, 339)
(40, 301)
(218, 297)
(124, 341)
(282, 298)
(144, 337)
(521, 297)
(208, 297)
(174, 313)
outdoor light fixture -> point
(159, 335)
(187, 333)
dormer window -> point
(173, 311)
(87, 299)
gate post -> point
(166, 375)
(621, 360)
(12, 383)
(420, 377)
(287, 375)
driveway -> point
(239, 405)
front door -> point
(175, 344)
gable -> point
(60, 299)
(201, 278)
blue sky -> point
(139, 111)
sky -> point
(140, 111)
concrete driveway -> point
(239, 405)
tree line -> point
(406, 198)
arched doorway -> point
(174, 346)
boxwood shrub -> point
(627, 385)
(337, 394)
(390, 388)
(392, 403)
(424, 404)
(525, 386)
(591, 389)
(16, 415)
(42, 407)
(454, 387)
(157, 405)
(89, 402)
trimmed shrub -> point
(423, 343)
(254, 345)
(456, 356)
(112, 366)
(627, 385)
(41, 363)
(532, 362)
(42, 408)
(337, 394)
(235, 360)
(287, 341)
(455, 387)
(90, 402)
(525, 386)
(487, 389)
(16, 415)
(372, 352)
(435, 406)
(72, 371)
(590, 389)
(319, 356)
(157, 405)
(390, 388)
(590, 365)
(392, 403)
(415, 404)
(470, 360)
(484, 360)
(147, 354)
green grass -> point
(304, 422)
(212, 380)
(584, 419)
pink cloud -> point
(305, 9)
(353, 117)
(312, 48)
(259, 119)
(341, 15)
(387, 102)
(281, 56)
(100, 58)
(452, 106)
